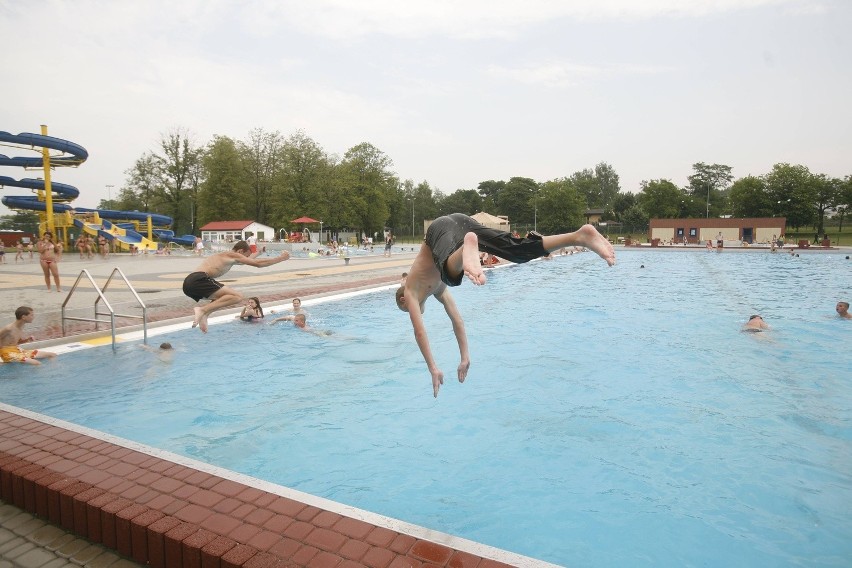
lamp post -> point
(412, 216)
(708, 200)
(109, 193)
(535, 211)
(320, 235)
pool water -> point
(611, 417)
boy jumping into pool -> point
(202, 283)
(450, 251)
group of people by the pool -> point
(450, 252)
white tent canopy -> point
(492, 221)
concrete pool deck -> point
(70, 496)
(158, 280)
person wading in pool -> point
(450, 251)
(202, 283)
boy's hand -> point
(463, 368)
(437, 381)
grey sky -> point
(453, 91)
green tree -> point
(306, 184)
(844, 202)
(20, 221)
(661, 199)
(125, 200)
(178, 167)
(517, 200)
(221, 196)
(792, 191)
(621, 203)
(261, 157)
(710, 182)
(467, 201)
(635, 219)
(366, 170)
(587, 184)
(748, 198)
(145, 181)
(561, 208)
(828, 192)
(608, 186)
(490, 192)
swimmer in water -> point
(755, 324)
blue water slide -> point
(61, 192)
(168, 236)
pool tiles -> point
(168, 514)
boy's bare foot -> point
(590, 238)
(470, 260)
(200, 319)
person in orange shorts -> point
(12, 336)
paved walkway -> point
(27, 541)
(158, 281)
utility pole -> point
(109, 193)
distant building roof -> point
(489, 220)
(226, 225)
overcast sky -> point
(453, 91)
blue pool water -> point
(611, 417)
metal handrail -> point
(111, 311)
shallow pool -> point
(611, 417)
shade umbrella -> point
(304, 220)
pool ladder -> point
(110, 310)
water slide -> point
(114, 225)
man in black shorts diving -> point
(450, 251)
(202, 283)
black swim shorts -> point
(198, 285)
(446, 235)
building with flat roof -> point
(693, 231)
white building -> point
(232, 231)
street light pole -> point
(109, 193)
(708, 200)
(412, 217)
(535, 212)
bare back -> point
(220, 263)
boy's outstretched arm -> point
(453, 313)
(423, 343)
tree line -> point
(273, 179)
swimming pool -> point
(611, 416)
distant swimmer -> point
(755, 324)
(301, 321)
(202, 283)
(842, 310)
